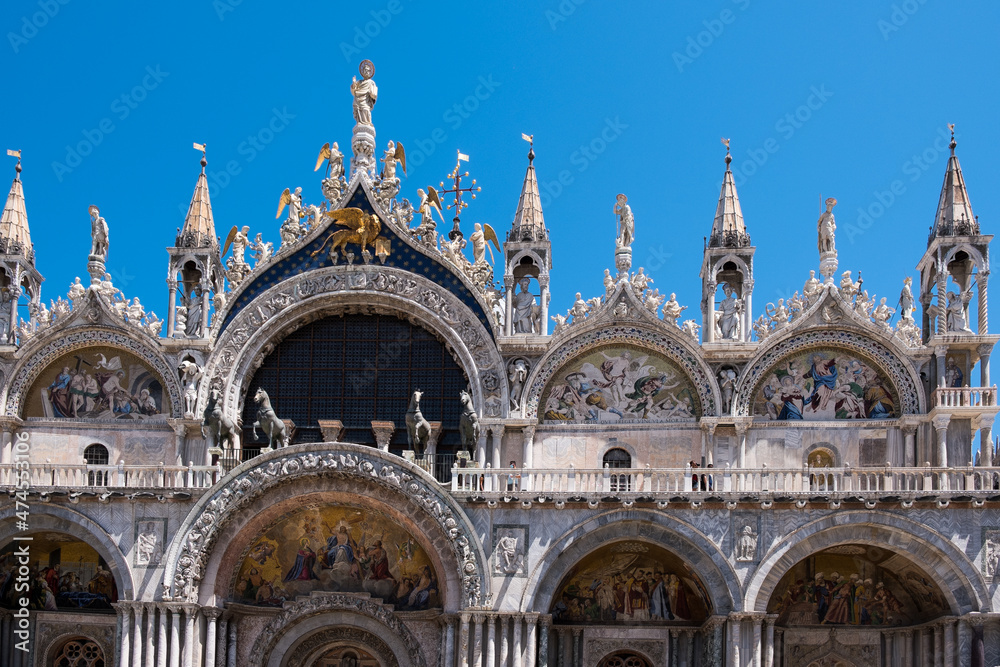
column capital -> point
(940, 350)
(577, 631)
(497, 430)
(940, 422)
(742, 424)
(709, 424)
(984, 350)
(545, 620)
(212, 613)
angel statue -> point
(626, 223)
(478, 239)
(239, 240)
(825, 228)
(98, 235)
(365, 93)
(334, 160)
(393, 154)
(294, 202)
(429, 202)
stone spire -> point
(199, 225)
(15, 237)
(954, 212)
(529, 223)
(728, 230)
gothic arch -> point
(297, 624)
(678, 348)
(195, 555)
(677, 536)
(284, 307)
(956, 575)
(739, 262)
(56, 518)
(42, 351)
(888, 360)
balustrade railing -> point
(661, 483)
(49, 475)
(965, 397)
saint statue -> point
(906, 300)
(365, 93)
(729, 314)
(955, 311)
(825, 228)
(524, 304)
(626, 223)
(672, 310)
(98, 235)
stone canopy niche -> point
(856, 585)
(631, 582)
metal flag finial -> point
(204, 158)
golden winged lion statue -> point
(362, 229)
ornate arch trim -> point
(194, 542)
(624, 334)
(658, 528)
(305, 652)
(363, 608)
(239, 349)
(898, 372)
(960, 582)
(37, 359)
(60, 519)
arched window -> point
(618, 458)
(96, 455)
(624, 660)
(79, 652)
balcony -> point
(49, 476)
(960, 398)
(757, 484)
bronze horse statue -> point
(216, 427)
(468, 423)
(274, 428)
(418, 429)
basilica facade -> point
(381, 444)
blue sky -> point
(819, 99)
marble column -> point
(689, 647)
(544, 297)
(161, 640)
(231, 651)
(982, 314)
(211, 619)
(986, 440)
(925, 647)
(734, 641)
(477, 640)
(220, 643)
(463, 641)
(940, 423)
(491, 641)
(909, 444)
(577, 648)
(741, 437)
(516, 651)
(672, 647)
(984, 364)
(942, 297)
(938, 645)
(964, 644)
(190, 614)
(137, 639)
(531, 620)
(496, 435)
(769, 640)
(124, 610)
(950, 650)
(481, 448)
(150, 650)
(449, 642)
(528, 458)
(175, 637)
(757, 622)
(504, 645)
(543, 641)
(564, 647)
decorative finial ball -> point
(729, 158)
(366, 69)
(17, 167)
(204, 162)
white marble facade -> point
(798, 488)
